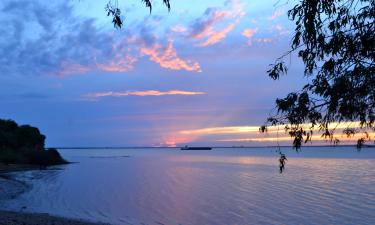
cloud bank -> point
(141, 93)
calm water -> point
(222, 186)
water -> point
(222, 186)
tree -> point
(25, 145)
(113, 10)
(336, 41)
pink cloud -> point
(179, 29)
(118, 65)
(249, 33)
(124, 58)
(277, 13)
(141, 93)
(167, 58)
(114, 65)
(216, 37)
(205, 26)
(120, 59)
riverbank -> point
(18, 218)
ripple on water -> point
(207, 188)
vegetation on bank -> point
(24, 144)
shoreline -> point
(11, 188)
(21, 218)
(5, 169)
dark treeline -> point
(24, 144)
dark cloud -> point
(48, 39)
(146, 36)
(42, 38)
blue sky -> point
(195, 75)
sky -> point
(195, 75)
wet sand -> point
(17, 218)
(16, 167)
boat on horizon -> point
(195, 148)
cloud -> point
(179, 29)
(56, 42)
(141, 93)
(280, 29)
(216, 37)
(203, 26)
(95, 51)
(221, 130)
(264, 40)
(249, 33)
(287, 138)
(252, 129)
(274, 133)
(277, 13)
(236, 8)
(119, 64)
(167, 58)
(66, 68)
(48, 39)
(204, 29)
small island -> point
(25, 145)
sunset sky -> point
(196, 75)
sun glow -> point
(273, 134)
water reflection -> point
(218, 187)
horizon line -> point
(269, 146)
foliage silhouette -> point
(25, 145)
(335, 40)
(282, 161)
(113, 10)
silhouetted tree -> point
(25, 144)
(30, 137)
(335, 40)
(113, 10)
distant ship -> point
(195, 148)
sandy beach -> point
(11, 188)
